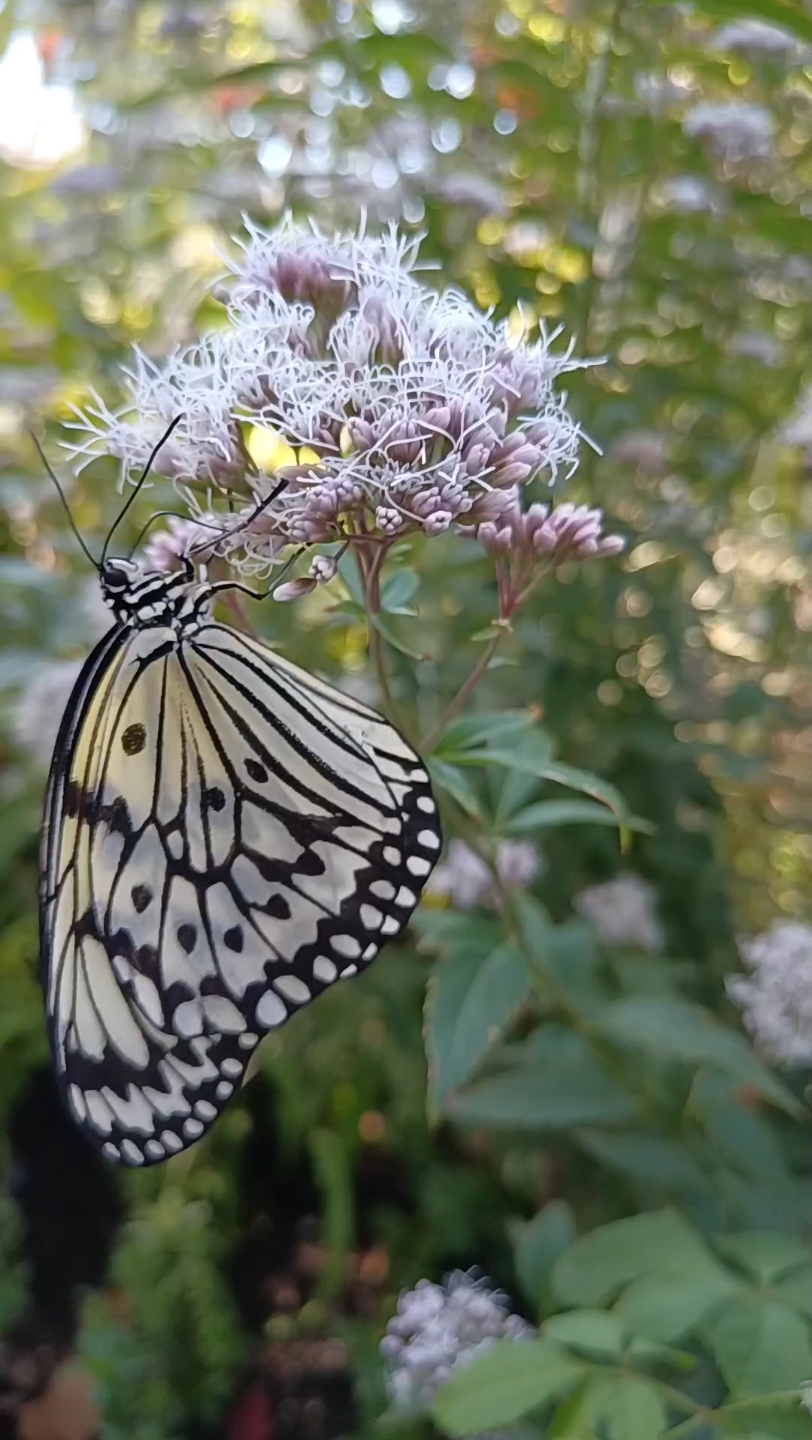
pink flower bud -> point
(294, 589)
(437, 420)
(490, 504)
(361, 434)
(436, 523)
(545, 539)
(512, 474)
(477, 460)
(322, 569)
(534, 518)
(388, 520)
(494, 539)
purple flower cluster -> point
(406, 409)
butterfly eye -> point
(114, 577)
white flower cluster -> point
(757, 40)
(467, 881)
(736, 129)
(438, 1329)
(776, 997)
(623, 912)
(412, 407)
(687, 195)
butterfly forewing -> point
(225, 837)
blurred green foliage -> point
(599, 1136)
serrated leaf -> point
(667, 1307)
(637, 1412)
(470, 1000)
(764, 1256)
(781, 1417)
(507, 1382)
(795, 1290)
(761, 1345)
(596, 1267)
(679, 1030)
(617, 1406)
(596, 1332)
(659, 1162)
(535, 1096)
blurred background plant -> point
(626, 796)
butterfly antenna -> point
(170, 515)
(60, 492)
(133, 495)
(244, 524)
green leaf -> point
(399, 589)
(392, 638)
(473, 731)
(637, 1411)
(667, 1307)
(658, 1162)
(619, 1407)
(679, 1030)
(587, 783)
(528, 1100)
(538, 1244)
(761, 1345)
(348, 571)
(779, 1417)
(456, 784)
(471, 999)
(766, 1257)
(596, 1332)
(796, 1290)
(452, 930)
(508, 1381)
(548, 814)
(599, 1264)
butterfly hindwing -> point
(225, 838)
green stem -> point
(369, 569)
(465, 689)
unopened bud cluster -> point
(567, 532)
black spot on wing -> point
(187, 937)
(116, 816)
(133, 739)
(141, 897)
(277, 907)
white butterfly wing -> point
(225, 837)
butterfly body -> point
(225, 837)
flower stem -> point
(466, 688)
(369, 569)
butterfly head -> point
(145, 597)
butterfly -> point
(225, 837)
